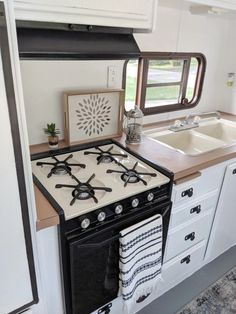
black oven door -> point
(94, 258)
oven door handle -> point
(116, 237)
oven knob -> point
(118, 209)
(101, 216)
(85, 222)
(150, 197)
(135, 202)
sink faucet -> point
(192, 120)
(190, 117)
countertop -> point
(181, 165)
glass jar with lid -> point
(134, 126)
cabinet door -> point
(223, 234)
(132, 14)
(17, 274)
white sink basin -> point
(187, 142)
(220, 130)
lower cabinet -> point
(188, 234)
(223, 234)
(181, 267)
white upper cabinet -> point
(137, 14)
(224, 4)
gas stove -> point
(98, 190)
(82, 180)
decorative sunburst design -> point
(93, 114)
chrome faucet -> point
(192, 120)
(190, 117)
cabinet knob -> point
(188, 193)
(186, 260)
(196, 210)
(190, 236)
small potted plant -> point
(52, 133)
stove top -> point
(89, 179)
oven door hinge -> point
(105, 309)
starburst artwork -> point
(93, 114)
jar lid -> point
(134, 113)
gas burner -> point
(105, 156)
(131, 175)
(60, 167)
(83, 190)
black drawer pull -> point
(105, 309)
(190, 236)
(188, 193)
(234, 171)
(196, 210)
(186, 260)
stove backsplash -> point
(45, 81)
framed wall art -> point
(93, 115)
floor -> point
(191, 287)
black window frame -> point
(142, 80)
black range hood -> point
(75, 42)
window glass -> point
(165, 71)
(162, 95)
(131, 84)
(192, 78)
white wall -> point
(227, 95)
(44, 83)
(176, 30)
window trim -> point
(142, 77)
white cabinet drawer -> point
(178, 268)
(210, 179)
(193, 209)
(182, 238)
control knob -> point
(150, 196)
(135, 202)
(84, 222)
(101, 216)
(119, 209)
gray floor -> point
(177, 297)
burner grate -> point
(105, 156)
(60, 167)
(83, 190)
(131, 175)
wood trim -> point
(163, 84)
(188, 178)
(46, 214)
(184, 81)
(139, 82)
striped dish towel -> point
(140, 260)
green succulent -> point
(51, 130)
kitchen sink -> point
(187, 142)
(220, 130)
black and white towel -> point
(140, 261)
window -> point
(161, 82)
(131, 76)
